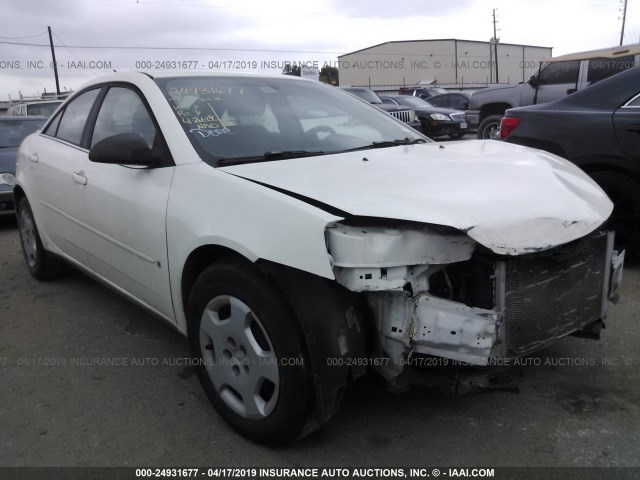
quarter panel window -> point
(601, 68)
(52, 129)
(635, 103)
(74, 117)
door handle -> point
(34, 157)
(633, 128)
(79, 177)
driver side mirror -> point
(124, 149)
(533, 81)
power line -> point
(26, 36)
(173, 48)
(72, 53)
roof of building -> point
(439, 40)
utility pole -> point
(495, 42)
(55, 65)
(624, 18)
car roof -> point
(614, 52)
(38, 102)
(21, 118)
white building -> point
(445, 62)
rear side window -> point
(74, 117)
(601, 68)
(559, 73)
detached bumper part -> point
(537, 299)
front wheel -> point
(41, 264)
(250, 353)
(489, 128)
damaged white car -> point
(299, 236)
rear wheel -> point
(250, 354)
(41, 264)
(625, 218)
(490, 127)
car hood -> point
(387, 107)
(511, 199)
(430, 110)
(8, 157)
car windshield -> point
(12, 132)
(239, 118)
(44, 109)
(365, 94)
(414, 102)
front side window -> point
(74, 117)
(252, 118)
(123, 111)
(559, 73)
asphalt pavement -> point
(89, 379)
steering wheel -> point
(315, 131)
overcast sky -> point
(237, 31)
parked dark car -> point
(12, 131)
(436, 122)
(407, 115)
(598, 129)
(427, 92)
(455, 100)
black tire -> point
(489, 127)
(266, 405)
(625, 218)
(456, 136)
(41, 264)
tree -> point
(291, 70)
(329, 75)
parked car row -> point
(434, 121)
(402, 113)
(418, 113)
(299, 236)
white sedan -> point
(299, 236)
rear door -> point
(55, 164)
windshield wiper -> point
(277, 155)
(388, 143)
(269, 156)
